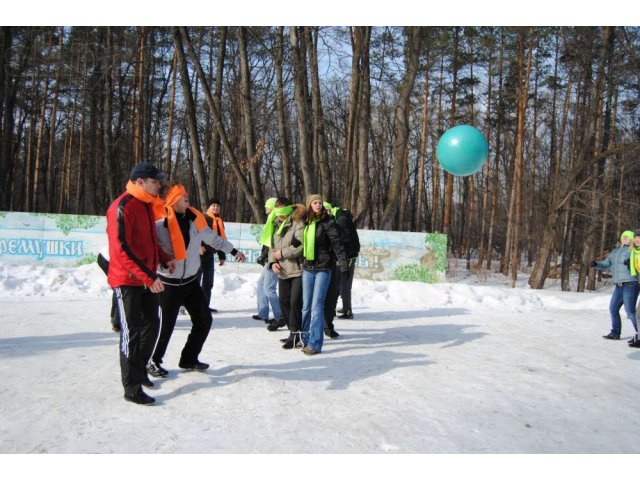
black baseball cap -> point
(146, 170)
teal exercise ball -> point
(462, 150)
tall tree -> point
(255, 199)
(190, 113)
(301, 85)
(515, 215)
(412, 56)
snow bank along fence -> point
(67, 240)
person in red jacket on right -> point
(134, 256)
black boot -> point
(635, 341)
(277, 324)
(291, 341)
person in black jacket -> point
(207, 262)
(322, 249)
(341, 283)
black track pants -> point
(138, 308)
(192, 297)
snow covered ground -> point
(448, 368)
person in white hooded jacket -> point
(180, 234)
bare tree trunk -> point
(356, 163)
(498, 152)
(172, 109)
(192, 123)
(255, 200)
(321, 154)
(285, 155)
(412, 55)
(137, 135)
(587, 274)
(215, 154)
(362, 200)
(565, 271)
(484, 207)
(107, 116)
(435, 197)
(418, 217)
(7, 122)
(50, 195)
(253, 154)
(355, 84)
(448, 193)
(523, 97)
(65, 196)
(302, 99)
(602, 139)
(529, 225)
(404, 183)
(38, 171)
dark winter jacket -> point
(348, 233)
(329, 250)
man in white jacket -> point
(180, 234)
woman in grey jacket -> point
(626, 290)
(285, 260)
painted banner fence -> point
(67, 240)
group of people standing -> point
(160, 259)
(154, 261)
(624, 265)
(309, 250)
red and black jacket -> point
(134, 254)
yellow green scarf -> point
(634, 261)
(266, 238)
(309, 240)
(283, 212)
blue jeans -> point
(314, 291)
(626, 295)
(267, 294)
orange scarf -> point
(157, 205)
(174, 194)
(218, 224)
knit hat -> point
(637, 233)
(327, 205)
(214, 201)
(629, 234)
(312, 198)
(270, 203)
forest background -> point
(245, 113)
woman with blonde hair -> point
(625, 291)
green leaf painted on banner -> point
(415, 273)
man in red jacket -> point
(134, 257)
